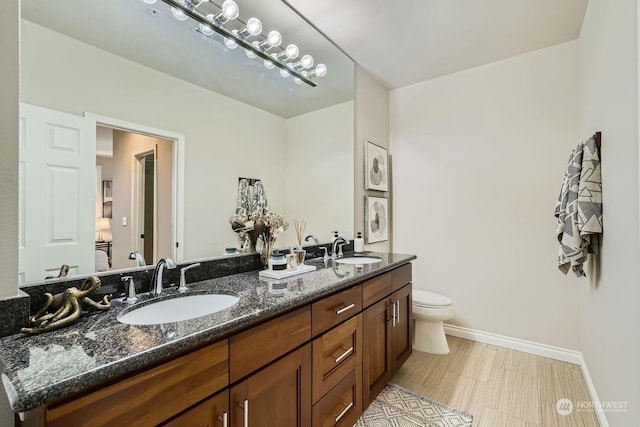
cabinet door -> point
(278, 395)
(376, 340)
(212, 412)
(402, 324)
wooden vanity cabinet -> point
(278, 395)
(387, 329)
(320, 365)
(213, 412)
(151, 396)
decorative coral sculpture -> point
(64, 308)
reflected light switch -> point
(124, 221)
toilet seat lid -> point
(430, 299)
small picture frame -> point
(376, 218)
(376, 168)
(107, 199)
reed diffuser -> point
(300, 253)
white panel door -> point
(57, 193)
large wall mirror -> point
(176, 119)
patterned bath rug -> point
(398, 407)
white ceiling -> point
(401, 42)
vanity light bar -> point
(299, 74)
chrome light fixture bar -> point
(256, 48)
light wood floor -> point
(498, 386)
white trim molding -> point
(552, 352)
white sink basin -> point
(358, 260)
(177, 309)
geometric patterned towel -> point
(398, 407)
(579, 208)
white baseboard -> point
(552, 352)
(544, 350)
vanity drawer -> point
(335, 354)
(256, 347)
(401, 276)
(342, 406)
(334, 309)
(375, 289)
(151, 396)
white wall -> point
(479, 157)
(608, 89)
(220, 133)
(9, 52)
(371, 123)
(308, 137)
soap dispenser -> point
(358, 243)
(334, 236)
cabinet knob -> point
(344, 354)
(245, 412)
(346, 308)
(344, 411)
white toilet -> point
(429, 311)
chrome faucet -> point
(312, 237)
(156, 280)
(337, 247)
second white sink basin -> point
(177, 309)
(358, 260)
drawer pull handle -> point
(224, 419)
(343, 309)
(398, 315)
(245, 412)
(343, 355)
(344, 411)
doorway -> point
(147, 174)
(145, 207)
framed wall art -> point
(376, 167)
(376, 217)
(107, 199)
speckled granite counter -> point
(42, 368)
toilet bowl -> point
(430, 310)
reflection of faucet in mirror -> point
(139, 259)
(64, 270)
(338, 243)
(311, 236)
(156, 279)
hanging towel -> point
(579, 208)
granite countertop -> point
(38, 369)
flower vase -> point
(267, 248)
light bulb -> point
(230, 9)
(205, 29)
(292, 51)
(231, 43)
(269, 65)
(321, 70)
(179, 14)
(297, 80)
(254, 26)
(306, 61)
(284, 73)
(251, 54)
(274, 38)
(149, 1)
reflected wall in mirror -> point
(237, 118)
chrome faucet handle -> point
(130, 289)
(340, 254)
(183, 278)
(326, 253)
